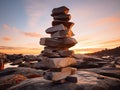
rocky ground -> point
(93, 74)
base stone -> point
(55, 76)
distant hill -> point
(113, 52)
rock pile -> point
(56, 54)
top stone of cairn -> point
(60, 10)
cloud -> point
(6, 38)
(110, 43)
(19, 50)
(103, 21)
(19, 32)
(5, 26)
(10, 48)
(32, 34)
(87, 50)
(34, 10)
(11, 28)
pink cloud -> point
(31, 34)
(34, 12)
(104, 21)
(6, 38)
(5, 26)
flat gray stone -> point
(58, 43)
(69, 25)
(56, 28)
(60, 10)
(62, 17)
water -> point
(8, 65)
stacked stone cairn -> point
(56, 54)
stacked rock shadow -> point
(56, 54)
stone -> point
(55, 49)
(69, 25)
(55, 76)
(29, 58)
(17, 62)
(50, 53)
(60, 10)
(73, 70)
(56, 52)
(11, 80)
(39, 65)
(2, 60)
(58, 43)
(1, 64)
(72, 78)
(27, 72)
(59, 62)
(65, 53)
(63, 17)
(62, 34)
(13, 57)
(56, 28)
(110, 72)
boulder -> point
(86, 81)
(17, 62)
(69, 25)
(11, 80)
(63, 17)
(59, 62)
(27, 72)
(60, 10)
(58, 43)
(56, 28)
(29, 58)
(3, 59)
(1, 64)
(13, 57)
(111, 72)
(84, 61)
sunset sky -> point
(23, 23)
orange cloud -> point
(104, 21)
(19, 50)
(111, 43)
(6, 38)
(87, 50)
(32, 34)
